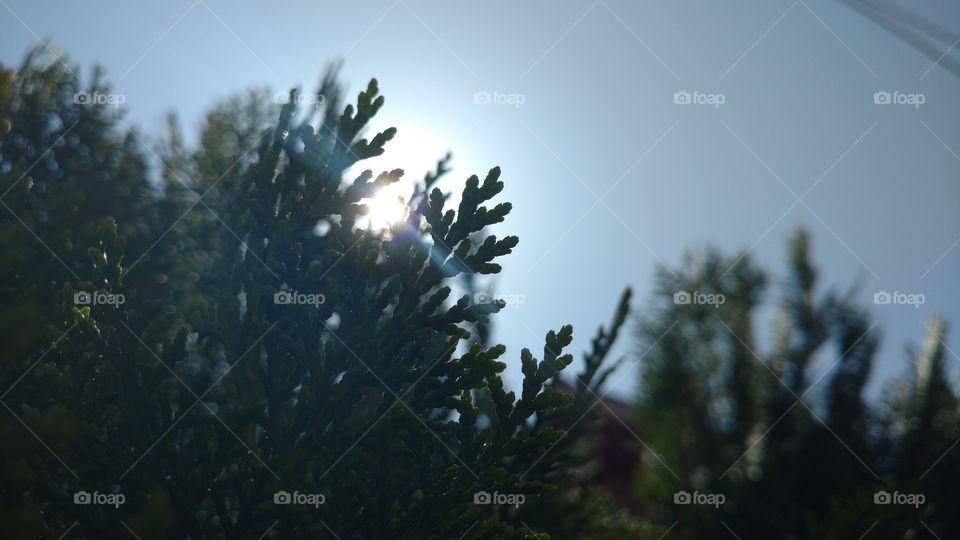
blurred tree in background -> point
(795, 450)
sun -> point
(412, 150)
(384, 210)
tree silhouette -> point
(271, 369)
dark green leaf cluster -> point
(213, 393)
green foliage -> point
(206, 394)
(581, 509)
(794, 456)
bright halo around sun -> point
(412, 150)
(384, 210)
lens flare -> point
(384, 210)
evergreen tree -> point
(61, 250)
(793, 456)
(274, 370)
(700, 392)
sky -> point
(627, 132)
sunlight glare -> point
(384, 209)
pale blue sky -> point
(598, 120)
